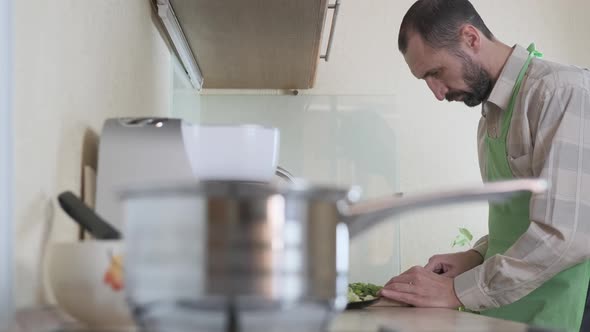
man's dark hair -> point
(438, 22)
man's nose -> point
(437, 87)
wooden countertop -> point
(375, 319)
(408, 319)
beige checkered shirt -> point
(549, 137)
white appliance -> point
(135, 151)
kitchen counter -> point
(406, 319)
(376, 319)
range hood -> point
(254, 44)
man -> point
(533, 266)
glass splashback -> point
(338, 140)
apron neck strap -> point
(533, 53)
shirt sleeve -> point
(559, 233)
(481, 246)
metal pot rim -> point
(241, 189)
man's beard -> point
(476, 78)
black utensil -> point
(86, 217)
(361, 304)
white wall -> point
(436, 141)
(77, 63)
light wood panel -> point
(254, 44)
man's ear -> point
(470, 37)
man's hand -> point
(452, 265)
(422, 288)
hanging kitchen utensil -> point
(86, 217)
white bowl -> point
(245, 152)
(87, 282)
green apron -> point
(559, 302)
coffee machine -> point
(153, 150)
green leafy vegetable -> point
(352, 297)
(360, 291)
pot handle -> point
(363, 215)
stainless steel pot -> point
(223, 256)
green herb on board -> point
(360, 291)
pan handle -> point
(87, 218)
(363, 215)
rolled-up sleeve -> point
(559, 233)
(481, 246)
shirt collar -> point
(502, 90)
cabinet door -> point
(254, 44)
